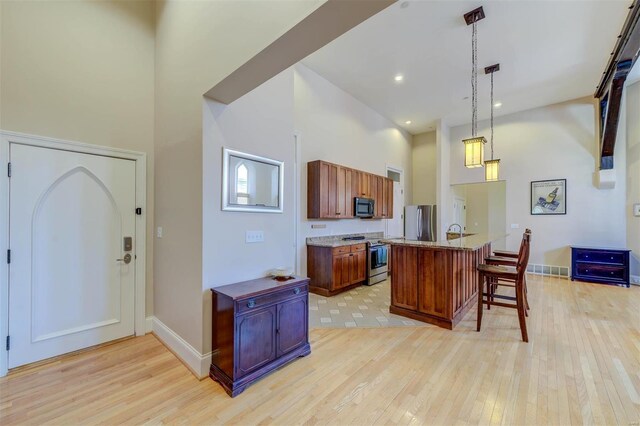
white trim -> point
(400, 171)
(6, 138)
(193, 359)
(148, 324)
(296, 201)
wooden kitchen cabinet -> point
(331, 189)
(383, 197)
(329, 194)
(333, 270)
(258, 326)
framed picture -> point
(549, 197)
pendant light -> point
(492, 167)
(474, 146)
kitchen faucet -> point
(459, 227)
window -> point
(242, 184)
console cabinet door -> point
(256, 334)
(292, 325)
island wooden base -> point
(435, 285)
(431, 319)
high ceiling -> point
(549, 52)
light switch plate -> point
(159, 232)
(254, 236)
(515, 226)
(636, 209)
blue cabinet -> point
(600, 265)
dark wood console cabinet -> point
(258, 326)
(600, 265)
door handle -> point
(126, 259)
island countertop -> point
(472, 242)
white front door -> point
(69, 214)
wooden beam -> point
(326, 23)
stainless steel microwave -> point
(363, 207)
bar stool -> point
(507, 258)
(490, 274)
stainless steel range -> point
(377, 262)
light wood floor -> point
(582, 366)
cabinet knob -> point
(296, 291)
(251, 304)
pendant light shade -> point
(474, 151)
(492, 166)
(492, 170)
(474, 146)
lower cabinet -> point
(600, 265)
(258, 326)
(333, 270)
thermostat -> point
(636, 209)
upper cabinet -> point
(331, 189)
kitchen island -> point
(437, 281)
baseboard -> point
(192, 359)
(635, 279)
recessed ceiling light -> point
(497, 105)
(407, 122)
(398, 77)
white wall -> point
(633, 172)
(198, 43)
(82, 71)
(444, 197)
(334, 126)
(552, 142)
(423, 156)
(259, 123)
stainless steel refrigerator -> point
(420, 223)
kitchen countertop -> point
(337, 240)
(471, 242)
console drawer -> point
(616, 258)
(253, 303)
(615, 273)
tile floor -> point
(364, 306)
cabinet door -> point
(364, 187)
(387, 211)
(333, 209)
(404, 277)
(376, 194)
(434, 282)
(292, 325)
(341, 271)
(256, 335)
(344, 193)
(358, 266)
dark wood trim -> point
(328, 293)
(626, 48)
(421, 316)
